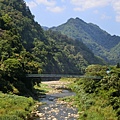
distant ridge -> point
(99, 41)
(45, 28)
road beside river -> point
(53, 108)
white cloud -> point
(50, 5)
(79, 5)
(31, 4)
(87, 4)
(56, 9)
(46, 2)
(116, 7)
(82, 5)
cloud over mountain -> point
(49, 5)
(82, 5)
(77, 5)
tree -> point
(13, 68)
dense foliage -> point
(15, 60)
(100, 42)
(72, 55)
(26, 48)
(101, 96)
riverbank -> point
(54, 108)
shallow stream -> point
(53, 109)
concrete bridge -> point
(60, 76)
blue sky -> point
(104, 13)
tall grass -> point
(13, 107)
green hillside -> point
(26, 48)
(96, 39)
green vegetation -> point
(14, 107)
(99, 41)
(26, 48)
(98, 99)
(42, 88)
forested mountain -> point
(71, 55)
(99, 41)
(26, 48)
(16, 19)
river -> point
(54, 109)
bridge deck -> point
(60, 75)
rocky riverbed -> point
(53, 108)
